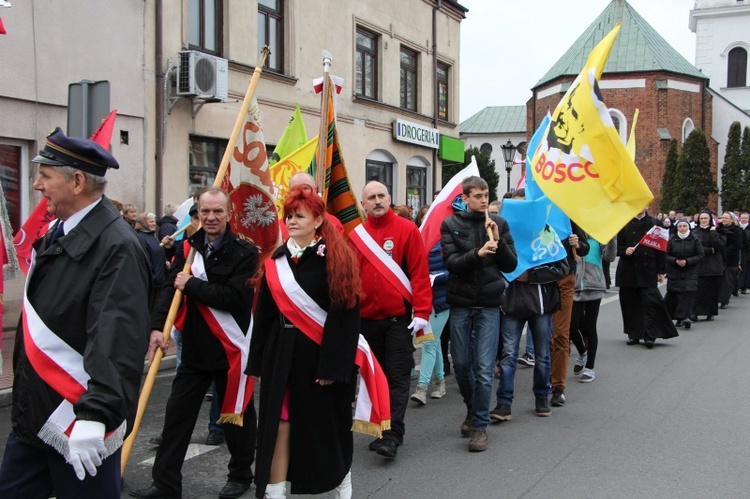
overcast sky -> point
(508, 45)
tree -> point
(668, 181)
(732, 185)
(486, 169)
(694, 182)
(745, 166)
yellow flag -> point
(296, 162)
(631, 139)
(582, 164)
(293, 137)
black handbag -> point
(551, 272)
(523, 299)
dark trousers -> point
(583, 329)
(188, 389)
(391, 342)
(445, 338)
(644, 314)
(31, 472)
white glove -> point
(418, 324)
(86, 447)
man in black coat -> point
(229, 263)
(80, 343)
(639, 270)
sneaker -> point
(587, 376)
(478, 440)
(466, 425)
(526, 360)
(542, 407)
(580, 363)
(501, 413)
(558, 397)
(439, 391)
(420, 396)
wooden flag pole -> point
(153, 369)
(489, 230)
(320, 164)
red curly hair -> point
(342, 269)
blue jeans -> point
(214, 412)
(432, 355)
(512, 329)
(474, 340)
(530, 343)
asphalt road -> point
(667, 422)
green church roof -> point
(496, 119)
(638, 47)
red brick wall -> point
(658, 108)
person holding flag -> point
(215, 322)
(640, 268)
(303, 348)
(82, 335)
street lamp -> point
(509, 152)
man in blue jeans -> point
(477, 248)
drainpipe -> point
(436, 100)
(160, 97)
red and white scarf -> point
(236, 344)
(389, 269)
(61, 367)
(372, 414)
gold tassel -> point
(367, 428)
(425, 337)
(235, 419)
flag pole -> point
(320, 164)
(153, 369)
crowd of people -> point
(103, 279)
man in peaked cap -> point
(82, 337)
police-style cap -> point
(82, 154)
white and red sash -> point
(236, 345)
(61, 367)
(388, 268)
(372, 414)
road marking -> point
(194, 450)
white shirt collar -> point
(76, 218)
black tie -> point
(57, 234)
(208, 249)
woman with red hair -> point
(304, 342)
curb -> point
(167, 363)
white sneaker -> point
(439, 391)
(587, 376)
(580, 363)
(420, 396)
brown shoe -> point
(478, 440)
(466, 426)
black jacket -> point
(229, 270)
(91, 288)
(640, 269)
(734, 238)
(713, 247)
(156, 256)
(475, 281)
(683, 279)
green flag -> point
(294, 137)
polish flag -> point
(656, 238)
(441, 208)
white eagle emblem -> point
(257, 213)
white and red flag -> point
(656, 238)
(442, 207)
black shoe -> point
(743, 291)
(632, 341)
(233, 489)
(501, 413)
(375, 444)
(709, 317)
(215, 438)
(693, 317)
(157, 440)
(723, 306)
(389, 448)
(687, 323)
(558, 397)
(152, 492)
(649, 342)
(541, 407)
(678, 323)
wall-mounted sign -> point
(414, 133)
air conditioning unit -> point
(202, 76)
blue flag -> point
(533, 191)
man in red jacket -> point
(396, 299)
